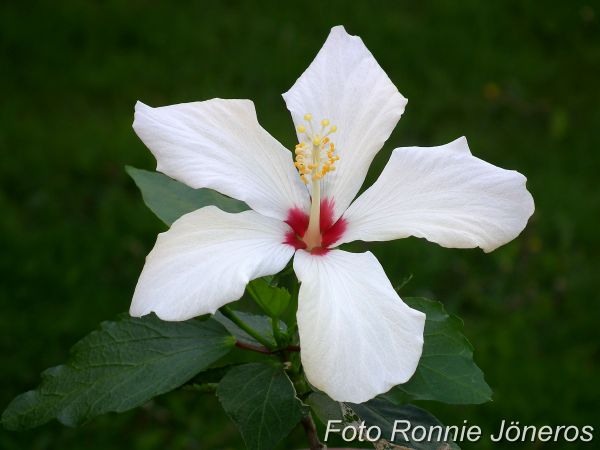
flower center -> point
(329, 231)
(315, 157)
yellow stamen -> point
(315, 156)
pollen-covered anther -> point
(315, 154)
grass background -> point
(518, 78)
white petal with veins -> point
(205, 261)
(346, 85)
(219, 144)
(442, 194)
(358, 337)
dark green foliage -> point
(324, 407)
(260, 323)
(262, 402)
(519, 79)
(382, 413)
(273, 300)
(446, 371)
(119, 367)
(170, 199)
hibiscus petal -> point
(442, 194)
(206, 260)
(219, 144)
(346, 85)
(358, 337)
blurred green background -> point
(519, 79)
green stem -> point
(228, 312)
(277, 331)
(311, 433)
(253, 348)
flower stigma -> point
(315, 158)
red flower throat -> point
(330, 232)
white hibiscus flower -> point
(358, 338)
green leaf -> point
(211, 375)
(261, 324)
(383, 414)
(262, 402)
(273, 300)
(446, 371)
(119, 367)
(379, 412)
(170, 199)
(324, 407)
